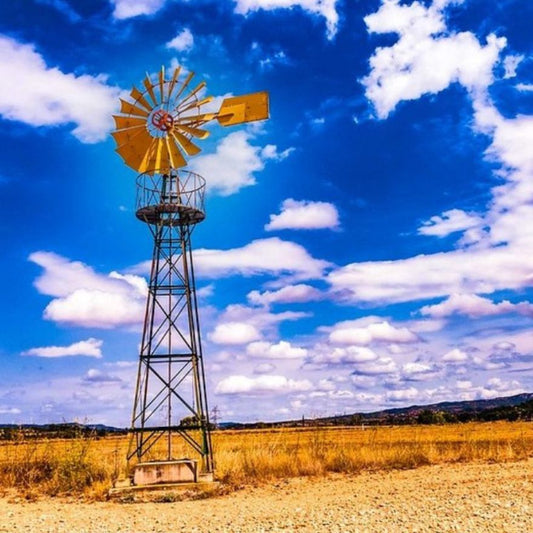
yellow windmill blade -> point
(125, 136)
(123, 123)
(147, 82)
(196, 104)
(189, 147)
(184, 86)
(131, 109)
(192, 94)
(246, 108)
(161, 84)
(134, 149)
(196, 120)
(139, 98)
(173, 81)
(195, 132)
(176, 157)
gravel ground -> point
(464, 498)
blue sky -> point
(369, 246)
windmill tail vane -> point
(155, 127)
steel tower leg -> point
(170, 397)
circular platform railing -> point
(174, 199)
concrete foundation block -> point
(158, 472)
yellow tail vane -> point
(154, 129)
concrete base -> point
(125, 491)
(161, 472)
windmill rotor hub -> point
(162, 120)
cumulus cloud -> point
(510, 64)
(97, 376)
(281, 350)
(39, 95)
(418, 371)
(449, 222)
(304, 214)
(85, 298)
(239, 324)
(381, 366)
(406, 70)
(183, 42)
(475, 306)
(263, 256)
(328, 355)
(298, 293)
(125, 9)
(455, 356)
(352, 333)
(239, 384)
(234, 333)
(324, 8)
(402, 395)
(234, 163)
(429, 276)
(89, 348)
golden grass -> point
(88, 466)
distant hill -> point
(454, 408)
(515, 407)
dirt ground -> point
(463, 498)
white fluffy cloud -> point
(85, 298)
(455, 356)
(281, 350)
(183, 42)
(298, 293)
(475, 306)
(239, 384)
(436, 275)
(449, 222)
(234, 163)
(234, 333)
(304, 215)
(125, 9)
(263, 256)
(328, 355)
(352, 333)
(39, 95)
(324, 8)
(407, 70)
(90, 348)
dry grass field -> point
(87, 466)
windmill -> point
(154, 135)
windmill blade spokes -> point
(131, 109)
(176, 157)
(123, 123)
(196, 104)
(173, 81)
(161, 84)
(147, 82)
(189, 147)
(124, 136)
(196, 120)
(193, 93)
(139, 98)
(195, 132)
(185, 84)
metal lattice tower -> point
(170, 397)
(154, 132)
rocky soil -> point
(463, 498)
